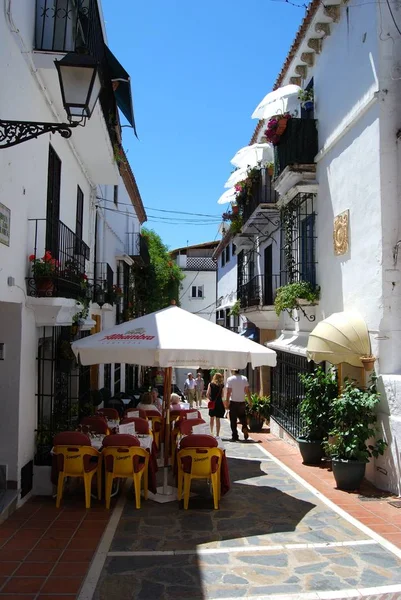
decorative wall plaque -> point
(340, 233)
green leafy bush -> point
(288, 295)
(315, 407)
(354, 423)
(260, 406)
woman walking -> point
(215, 396)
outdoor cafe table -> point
(225, 483)
(145, 441)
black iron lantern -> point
(79, 83)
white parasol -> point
(284, 99)
(228, 196)
(172, 337)
(251, 156)
(236, 176)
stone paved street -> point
(272, 537)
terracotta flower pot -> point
(44, 286)
(234, 209)
(270, 171)
(281, 126)
(368, 362)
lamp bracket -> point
(16, 132)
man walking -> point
(189, 389)
(199, 387)
(237, 387)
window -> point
(79, 218)
(233, 250)
(197, 291)
(115, 195)
(228, 253)
(308, 270)
(223, 259)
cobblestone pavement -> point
(272, 538)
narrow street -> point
(272, 538)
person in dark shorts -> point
(215, 395)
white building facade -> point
(198, 287)
(48, 202)
(337, 189)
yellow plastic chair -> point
(126, 461)
(198, 463)
(157, 426)
(77, 461)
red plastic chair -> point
(96, 424)
(198, 440)
(141, 425)
(71, 437)
(185, 426)
(120, 439)
(109, 413)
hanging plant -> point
(235, 309)
(236, 224)
(276, 127)
(288, 296)
(245, 187)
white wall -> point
(227, 280)
(205, 307)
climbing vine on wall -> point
(288, 223)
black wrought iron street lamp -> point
(80, 87)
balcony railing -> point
(71, 26)
(298, 144)
(71, 254)
(259, 291)
(262, 193)
(200, 263)
(137, 249)
(103, 284)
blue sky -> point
(198, 70)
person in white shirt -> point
(237, 388)
(190, 389)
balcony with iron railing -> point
(103, 286)
(137, 249)
(262, 193)
(64, 274)
(259, 291)
(298, 145)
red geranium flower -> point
(32, 257)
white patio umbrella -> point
(172, 337)
(251, 156)
(284, 99)
(168, 338)
(228, 196)
(236, 176)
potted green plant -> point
(354, 424)
(320, 389)
(307, 98)
(44, 270)
(258, 411)
(270, 168)
(288, 297)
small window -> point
(197, 291)
(233, 250)
(79, 215)
(228, 253)
(115, 195)
(223, 259)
